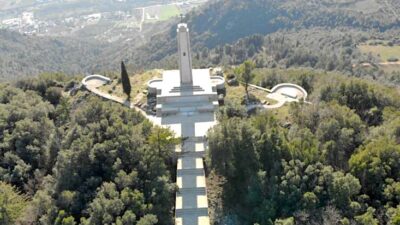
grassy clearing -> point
(168, 11)
(236, 93)
(262, 95)
(282, 113)
(381, 51)
(138, 83)
(390, 68)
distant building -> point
(93, 17)
(27, 18)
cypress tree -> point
(126, 84)
(245, 72)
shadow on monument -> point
(190, 125)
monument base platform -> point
(173, 97)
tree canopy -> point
(336, 162)
(81, 160)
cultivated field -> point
(161, 12)
(381, 51)
(169, 11)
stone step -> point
(194, 139)
(186, 89)
(197, 172)
(187, 92)
(193, 147)
(177, 90)
(190, 212)
(184, 104)
(194, 191)
(191, 154)
(188, 147)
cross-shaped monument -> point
(185, 59)
(186, 102)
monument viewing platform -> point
(186, 90)
(186, 102)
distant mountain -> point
(217, 23)
(23, 55)
(221, 22)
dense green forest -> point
(336, 163)
(72, 158)
(26, 56)
(80, 160)
(68, 157)
(333, 50)
(226, 22)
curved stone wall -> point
(279, 87)
(218, 81)
(153, 86)
(95, 80)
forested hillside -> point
(225, 22)
(23, 55)
(331, 162)
(71, 158)
(68, 157)
(27, 56)
(80, 160)
(212, 27)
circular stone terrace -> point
(95, 81)
(282, 93)
(286, 92)
(218, 82)
(290, 92)
(153, 85)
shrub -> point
(53, 95)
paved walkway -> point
(278, 94)
(191, 200)
(191, 206)
(93, 86)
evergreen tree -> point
(12, 204)
(246, 75)
(126, 84)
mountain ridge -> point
(214, 24)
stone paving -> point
(191, 199)
(186, 103)
(282, 93)
(93, 82)
(191, 207)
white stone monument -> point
(185, 58)
(186, 102)
(186, 90)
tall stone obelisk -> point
(186, 103)
(185, 58)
